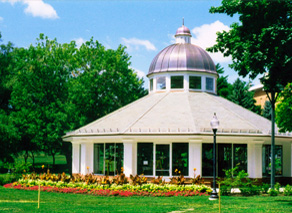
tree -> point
(9, 135)
(224, 88)
(59, 88)
(267, 110)
(259, 44)
(241, 96)
(103, 83)
(284, 110)
(40, 93)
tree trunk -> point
(273, 169)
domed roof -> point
(182, 57)
(183, 30)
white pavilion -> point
(170, 129)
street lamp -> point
(214, 125)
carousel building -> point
(169, 129)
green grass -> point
(12, 200)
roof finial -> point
(183, 21)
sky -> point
(144, 27)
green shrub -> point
(288, 190)
(250, 189)
(273, 192)
(8, 178)
(225, 189)
(265, 188)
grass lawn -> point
(12, 200)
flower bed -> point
(127, 191)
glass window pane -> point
(224, 158)
(114, 158)
(109, 159)
(267, 160)
(209, 84)
(240, 156)
(151, 84)
(207, 159)
(160, 83)
(195, 82)
(180, 158)
(177, 82)
(162, 160)
(119, 158)
(99, 158)
(145, 159)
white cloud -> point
(134, 43)
(1, 18)
(205, 36)
(79, 41)
(36, 8)
(140, 73)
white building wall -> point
(86, 158)
(254, 160)
(130, 156)
(75, 157)
(286, 152)
(195, 158)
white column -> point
(75, 157)
(195, 157)
(86, 158)
(254, 160)
(286, 159)
(167, 81)
(130, 154)
(186, 82)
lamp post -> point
(214, 125)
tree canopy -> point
(284, 109)
(54, 88)
(259, 45)
(261, 42)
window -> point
(240, 156)
(161, 84)
(162, 160)
(207, 159)
(177, 82)
(99, 158)
(180, 158)
(145, 158)
(224, 158)
(195, 82)
(228, 156)
(151, 84)
(209, 84)
(267, 160)
(108, 158)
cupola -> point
(182, 67)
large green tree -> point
(284, 109)
(241, 96)
(102, 82)
(259, 44)
(60, 87)
(224, 88)
(8, 133)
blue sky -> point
(145, 27)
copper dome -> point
(183, 30)
(182, 57)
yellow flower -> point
(195, 169)
(178, 172)
(43, 166)
(24, 171)
(87, 167)
(175, 170)
(122, 169)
